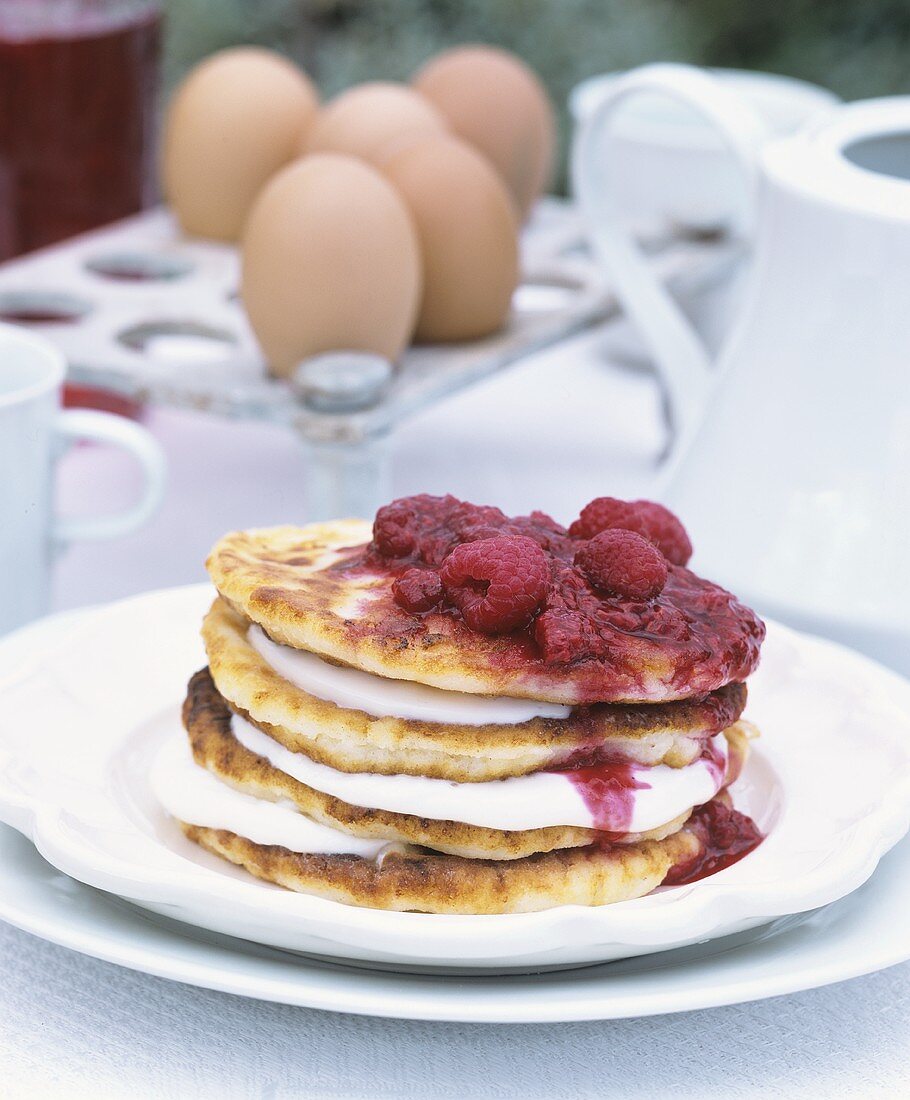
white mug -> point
(34, 433)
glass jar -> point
(78, 86)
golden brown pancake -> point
(311, 588)
(416, 880)
(207, 719)
(351, 740)
(650, 658)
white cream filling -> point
(386, 698)
(534, 801)
(194, 795)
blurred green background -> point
(857, 48)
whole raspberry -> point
(395, 529)
(645, 517)
(497, 584)
(621, 563)
(417, 590)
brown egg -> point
(373, 120)
(468, 237)
(330, 261)
(235, 120)
(493, 100)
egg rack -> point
(141, 311)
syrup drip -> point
(728, 836)
(714, 758)
(608, 791)
(608, 788)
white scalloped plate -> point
(830, 783)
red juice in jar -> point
(78, 83)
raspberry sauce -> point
(608, 787)
(713, 755)
(608, 791)
(688, 639)
(727, 835)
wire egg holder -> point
(143, 312)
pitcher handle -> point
(680, 356)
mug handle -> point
(680, 356)
(74, 425)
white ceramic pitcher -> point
(792, 460)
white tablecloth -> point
(71, 1026)
(550, 435)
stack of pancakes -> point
(340, 752)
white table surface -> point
(550, 435)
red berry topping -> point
(623, 564)
(562, 636)
(722, 822)
(645, 517)
(507, 574)
(395, 529)
(497, 584)
(417, 590)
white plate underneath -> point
(858, 935)
(832, 782)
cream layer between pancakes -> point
(536, 801)
(381, 697)
(539, 800)
(189, 792)
(192, 794)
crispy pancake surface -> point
(417, 880)
(351, 740)
(207, 719)
(312, 588)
